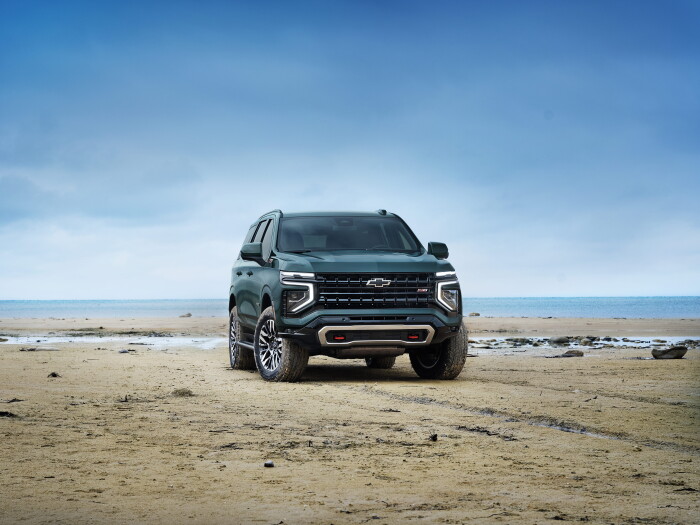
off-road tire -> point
(277, 359)
(381, 363)
(443, 360)
(240, 358)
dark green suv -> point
(346, 285)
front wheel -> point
(277, 359)
(442, 360)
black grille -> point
(406, 290)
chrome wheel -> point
(233, 339)
(270, 346)
(241, 358)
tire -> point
(240, 358)
(381, 363)
(443, 360)
(277, 359)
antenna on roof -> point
(381, 212)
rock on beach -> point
(561, 340)
(675, 352)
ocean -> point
(607, 307)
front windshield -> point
(300, 234)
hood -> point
(361, 262)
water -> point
(630, 307)
(156, 343)
(604, 307)
(115, 308)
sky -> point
(554, 146)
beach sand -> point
(516, 438)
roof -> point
(332, 213)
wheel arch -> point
(265, 300)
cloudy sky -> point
(554, 146)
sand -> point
(516, 438)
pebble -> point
(269, 464)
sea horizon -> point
(665, 307)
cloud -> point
(553, 146)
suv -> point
(345, 285)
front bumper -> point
(358, 330)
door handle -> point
(239, 273)
(249, 273)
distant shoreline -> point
(477, 326)
(660, 307)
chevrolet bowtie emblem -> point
(378, 282)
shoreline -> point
(477, 326)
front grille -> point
(336, 291)
(393, 318)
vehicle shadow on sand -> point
(355, 373)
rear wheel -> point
(277, 359)
(443, 360)
(382, 363)
(241, 358)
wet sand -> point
(516, 438)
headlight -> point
(448, 297)
(297, 300)
(286, 277)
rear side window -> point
(267, 240)
(260, 231)
(249, 236)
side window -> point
(261, 230)
(250, 234)
(267, 240)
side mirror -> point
(252, 251)
(438, 249)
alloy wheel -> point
(233, 338)
(270, 346)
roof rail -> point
(381, 212)
(273, 211)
